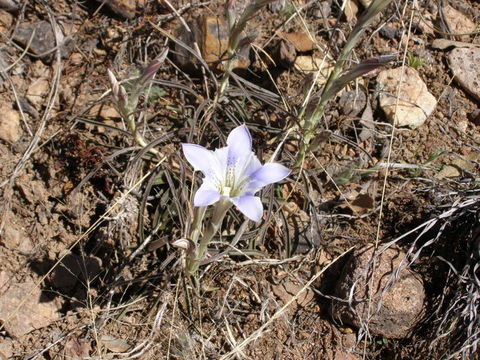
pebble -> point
(464, 63)
(37, 92)
(127, 9)
(6, 20)
(9, 5)
(352, 102)
(401, 305)
(322, 9)
(211, 35)
(309, 64)
(10, 130)
(415, 103)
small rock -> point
(211, 35)
(282, 52)
(114, 344)
(276, 6)
(37, 92)
(104, 111)
(22, 309)
(6, 349)
(300, 40)
(352, 102)
(345, 355)
(474, 117)
(309, 64)
(74, 268)
(9, 5)
(76, 348)
(464, 64)
(286, 291)
(460, 165)
(425, 23)
(458, 23)
(400, 306)
(390, 32)
(10, 129)
(15, 237)
(43, 40)
(127, 9)
(6, 20)
(321, 10)
(414, 102)
(215, 43)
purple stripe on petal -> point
(239, 143)
(199, 157)
(206, 195)
(268, 174)
(250, 206)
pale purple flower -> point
(233, 173)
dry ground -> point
(79, 198)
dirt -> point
(80, 196)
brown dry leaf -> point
(300, 40)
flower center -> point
(226, 191)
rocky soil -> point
(369, 250)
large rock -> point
(458, 23)
(394, 308)
(23, 309)
(464, 63)
(414, 103)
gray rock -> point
(395, 306)
(42, 42)
(9, 5)
(352, 102)
(464, 63)
(322, 9)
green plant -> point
(414, 62)
(339, 78)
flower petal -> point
(198, 157)
(206, 195)
(250, 206)
(239, 143)
(268, 174)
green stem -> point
(219, 212)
